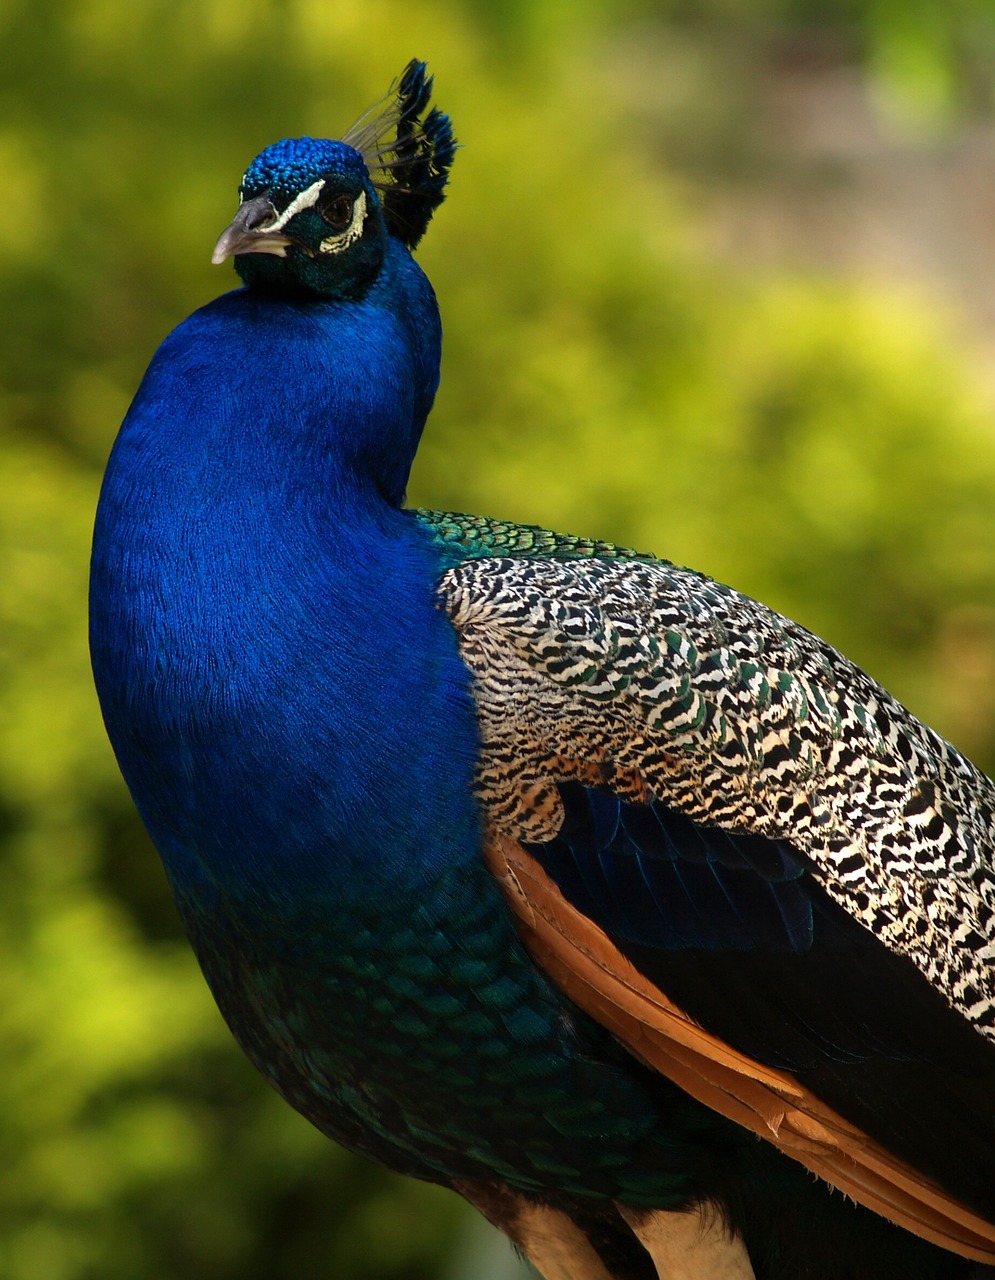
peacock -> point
(523, 863)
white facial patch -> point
(304, 200)
(343, 239)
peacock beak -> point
(256, 228)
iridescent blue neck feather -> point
(250, 549)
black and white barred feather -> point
(659, 679)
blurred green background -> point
(716, 279)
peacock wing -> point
(735, 850)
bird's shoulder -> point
(595, 665)
(719, 834)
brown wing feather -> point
(582, 960)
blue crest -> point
(293, 164)
(403, 145)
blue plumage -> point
(291, 165)
(488, 840)
(649, 875)
(208, 672)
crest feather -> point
(408, 150)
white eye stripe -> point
(343, 239)
(304, 200)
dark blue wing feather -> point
(651, 876)
(737, 930)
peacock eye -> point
(338, 212)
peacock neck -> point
(265, 635)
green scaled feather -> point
(473, 537)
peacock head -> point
(315, 216)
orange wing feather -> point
(587, 966)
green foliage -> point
(819, 443)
